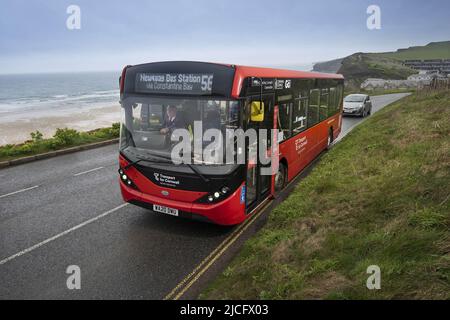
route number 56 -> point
(207, 83)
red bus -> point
(304, 107)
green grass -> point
(434, 50)
(63, 138)
(379, 197)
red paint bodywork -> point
(228, 212)
(232, 211)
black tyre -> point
(280, 178)
(330, 139)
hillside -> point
(433, 50)
(387, 65)
(379, 197)
(360, 66)
(331, 66)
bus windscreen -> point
(150, 124)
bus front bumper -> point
(230, 211)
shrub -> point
(36, 136)
(61, 139)
(66, 136)
(115, 129)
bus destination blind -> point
(174, 83)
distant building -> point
(419, 80)
(373, 83)
(421, 77)
(431, 65)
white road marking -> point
(18, 191)
(40, 244)
(89, 171)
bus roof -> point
(228, 70)
(243, 72)
(263, 72)
(246, 71)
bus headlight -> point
(126, 180)
(215, 196)
(225, 190)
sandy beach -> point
(16, 127)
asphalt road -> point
(68, 211)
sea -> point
(57, 92)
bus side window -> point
(333, 103)
(300, 114)
(340, 96)
(324, 103)
(284, 119)
(313, 108)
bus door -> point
(258, 186)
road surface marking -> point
(182, 282)
(89, 171)
(40, 244)
(211, 255)
(222, 251)
(227, 242)
(18, 191)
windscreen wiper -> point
(140, 160)
(167, 160)
(197, 172)
(190, 166)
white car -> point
(357, 105)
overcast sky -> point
(282, 33)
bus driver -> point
(172, 121)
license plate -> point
(165, 210)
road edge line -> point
(222, 251)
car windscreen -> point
(355, 98)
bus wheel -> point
(280, 178)
(330, 139)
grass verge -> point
(379, 197)
(63, 138)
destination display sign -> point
(175, 83)
(271, 84)
(268, 84)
